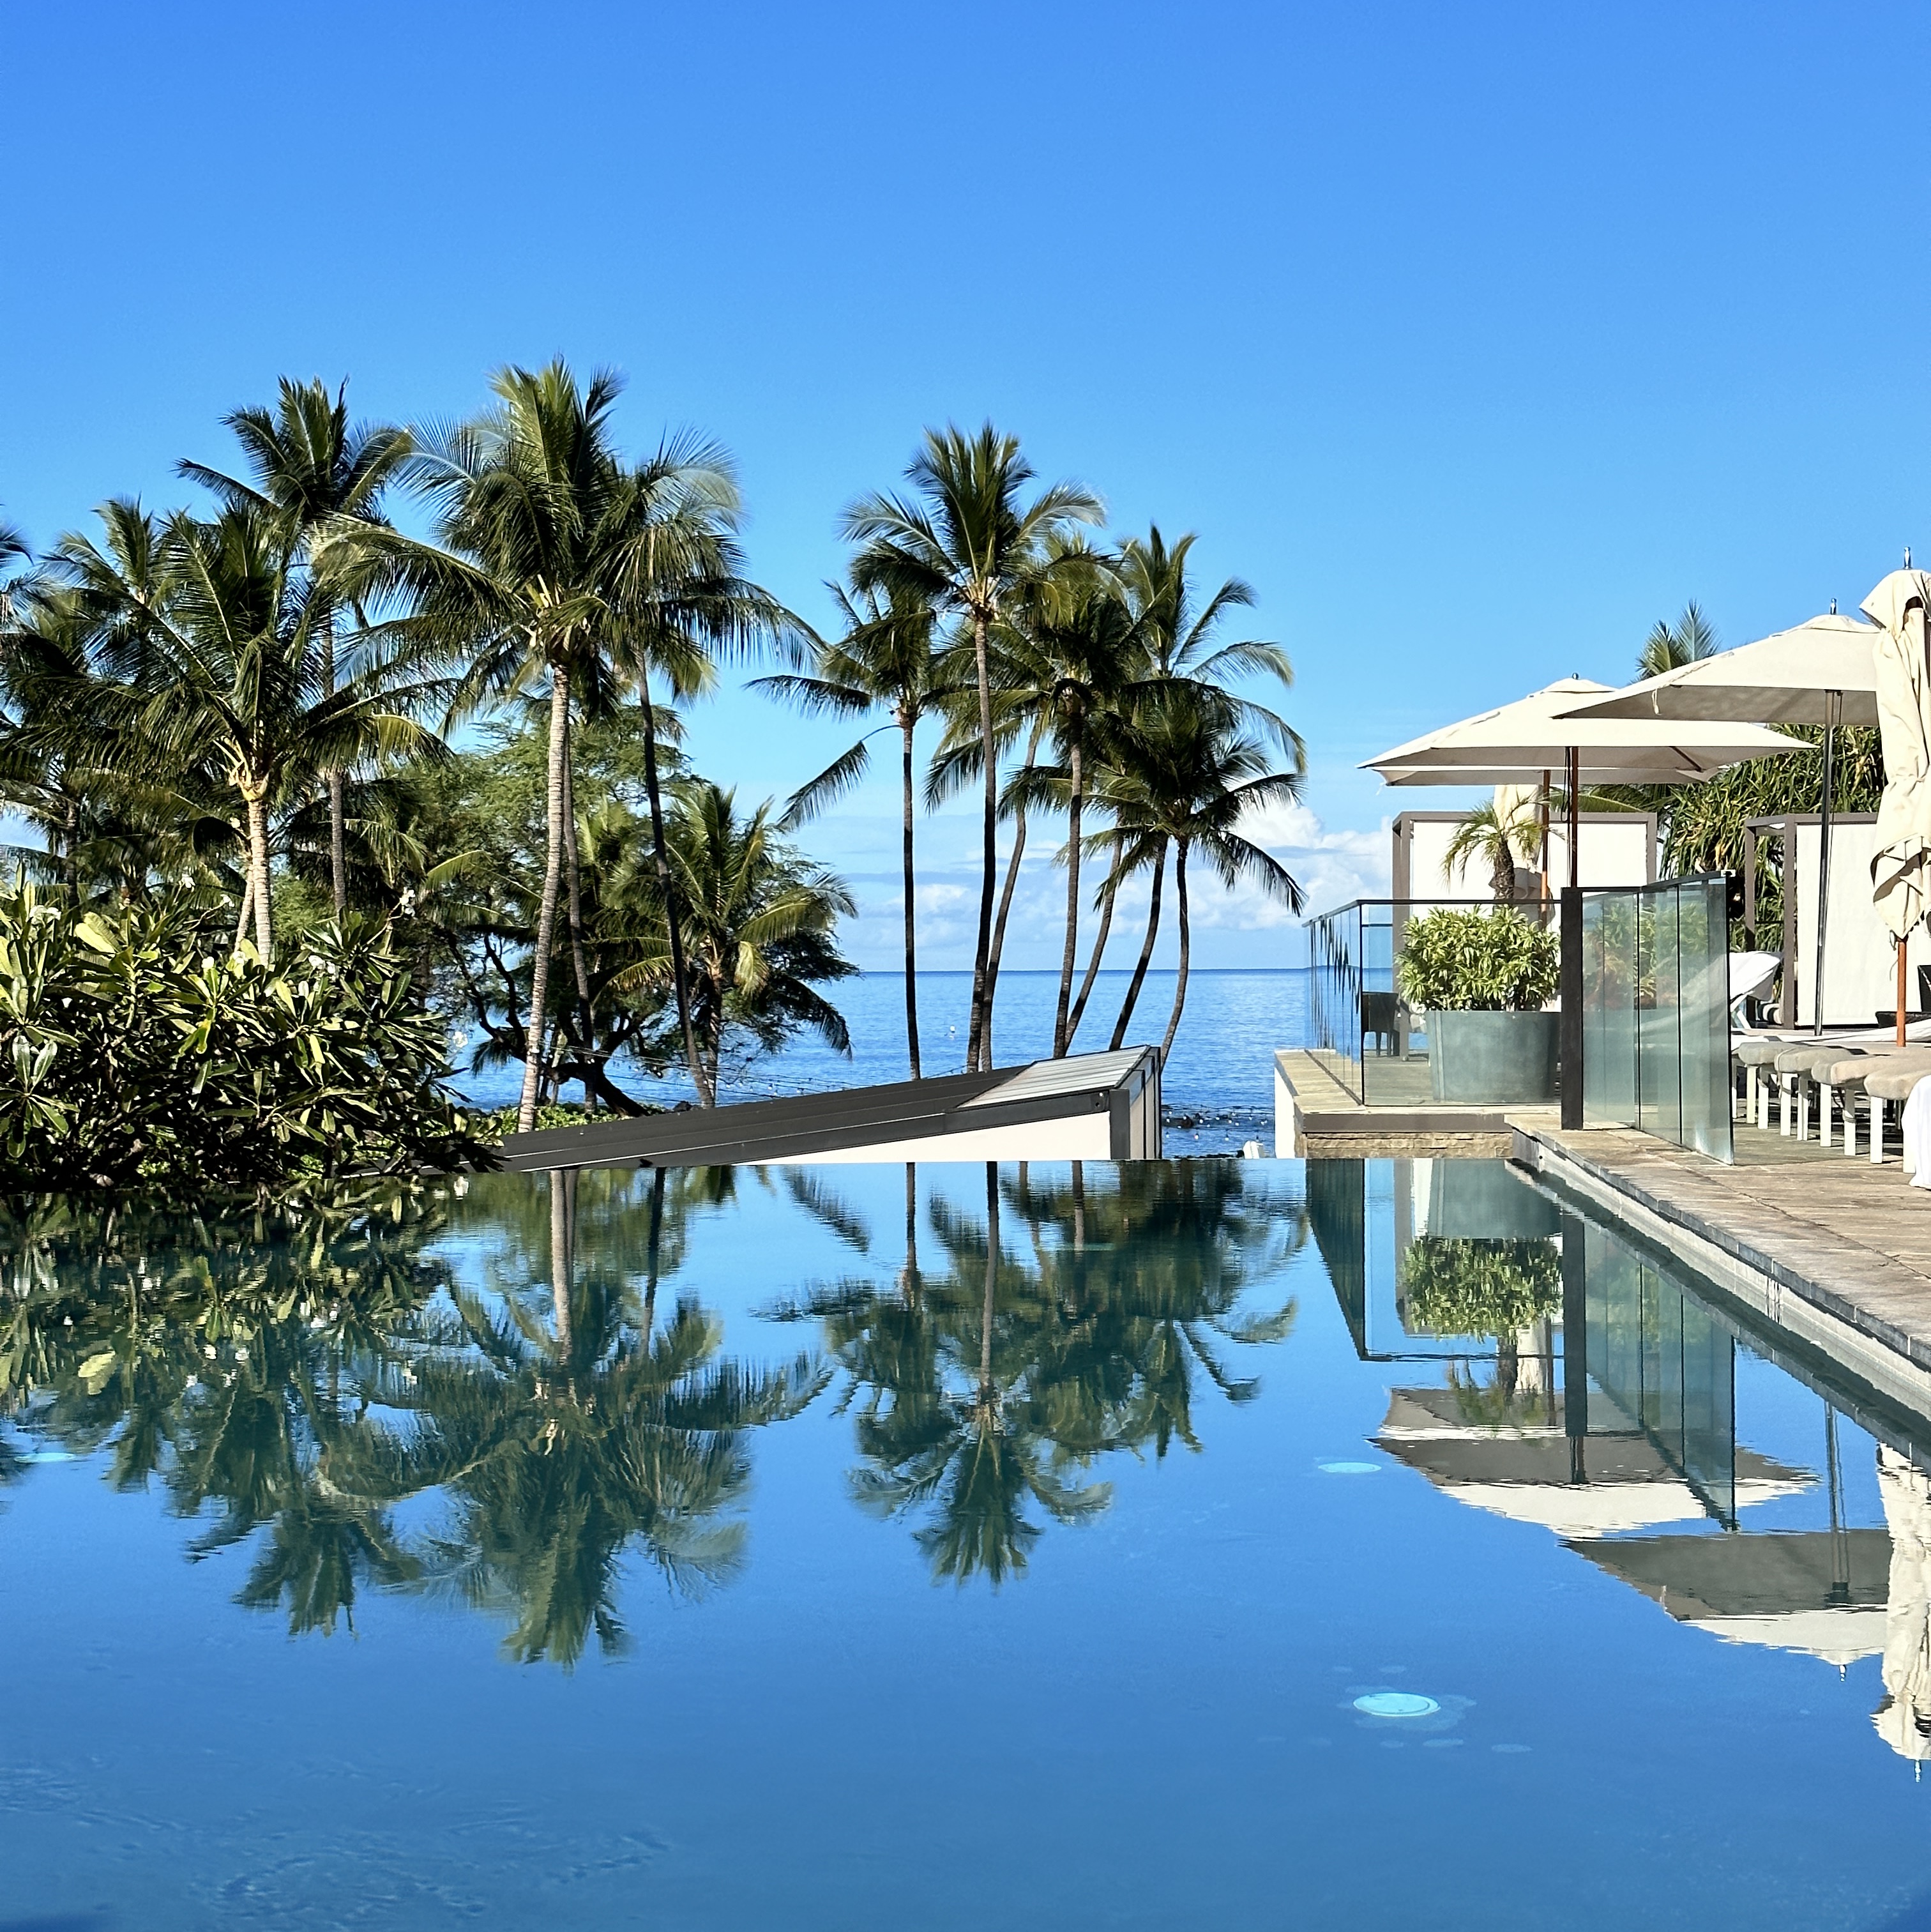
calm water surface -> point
(742, 1550)
(1218, 1088)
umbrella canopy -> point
(1788, 678)
(1822, 672)
(1903, 697)
(1515, 743)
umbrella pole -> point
(1575, 763)
(1833, 702)
(1543, 856)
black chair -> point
(1377, 1020)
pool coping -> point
(1867, 1328)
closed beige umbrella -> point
(1903, 680)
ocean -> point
(1219, 1086)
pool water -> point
(692, 1550)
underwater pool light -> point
(1396, 1704)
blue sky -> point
(1476, 338)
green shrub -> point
(1457, 1287)
(138, 1053)
(1456, 961)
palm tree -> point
(686, 599)
(1668, 646)
(965, 542)
(759, 923)
(885, 659)
(570, 1426)
(535, 552)
(1190, 777)
(1493, 833)
(555, 564)
(1177, 639)
(17, 572)
(208, 634)
(1072, 658)
(313, 469)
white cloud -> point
(1332, 866)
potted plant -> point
(1481, 979)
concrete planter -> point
(1490, 1059)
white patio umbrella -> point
(1820, 672)
(1515, 744)
(1899, 866)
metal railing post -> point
(1571, 1032)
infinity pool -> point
(1230, 1544)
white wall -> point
(1860, 962)
(1615, 849)
(1087, 1136)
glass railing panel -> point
(1610, 973)
(1703, 930)
(1655, 1017)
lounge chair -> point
(1891, 1078)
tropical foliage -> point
(139, 1051)
(1453, 961)
(438, 678)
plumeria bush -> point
(1461, 961)
(140, 1051)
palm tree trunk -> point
(247, 908)
(983, 954)
(1004, 909)
(653, 1254)
(679, 980)
(576, 903)
(999, 935)
(561, 1180)
(338, 843)
(1062, 1022)
(991, 1281)
(546, 919)
(1180, 990)
(907, 724)
(910, 1289)
(70, 847)
(257, 873)
(338, 848)
(1108, 899)
(1139, 979)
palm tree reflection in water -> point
(326, 1387)
(312, 1385)
(565, 1445)
(1000, 1382)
